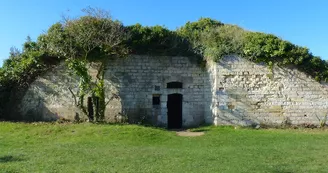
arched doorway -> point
(174, 113)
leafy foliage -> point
(208, 38)
(156, 40)
(260, 47)
(95, 37)
(18, 71)
(193, 30)
(220, 41)
(90, 38)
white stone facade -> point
(139, 78)
(233, 91)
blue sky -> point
(303, 22)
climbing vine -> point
(92, 38)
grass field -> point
(131, 148)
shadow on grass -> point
(200, 130)
(5, 159)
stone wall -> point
(249, 93)
(138, 78)
(233, 91)
(49, 98)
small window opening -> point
(156, 99)
(157, 88)
(174, 85)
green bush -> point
(261, 47)
(156, 40)
(223, 40)
(207, 38)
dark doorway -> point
(90, 108)
(174, 113)
(93, 107)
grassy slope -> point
(130, 148)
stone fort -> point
(174, 92)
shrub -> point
(156, 40)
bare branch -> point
(96, 12)
(113, 96)
(75, 101)
(100, 71)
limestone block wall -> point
(138, 78)
(248, 93)
(232, 91)
(48, 97)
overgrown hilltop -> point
(95, 37)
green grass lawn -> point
(131, 148)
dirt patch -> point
(187, 133)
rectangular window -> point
(156, 99)
(157, 88)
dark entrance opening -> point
(156, 99)
(90, 108)
(93, 107)
(174, 113)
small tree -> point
(91, 38)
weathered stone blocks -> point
(232, 91)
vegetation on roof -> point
(96, 37)
(207, 38)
